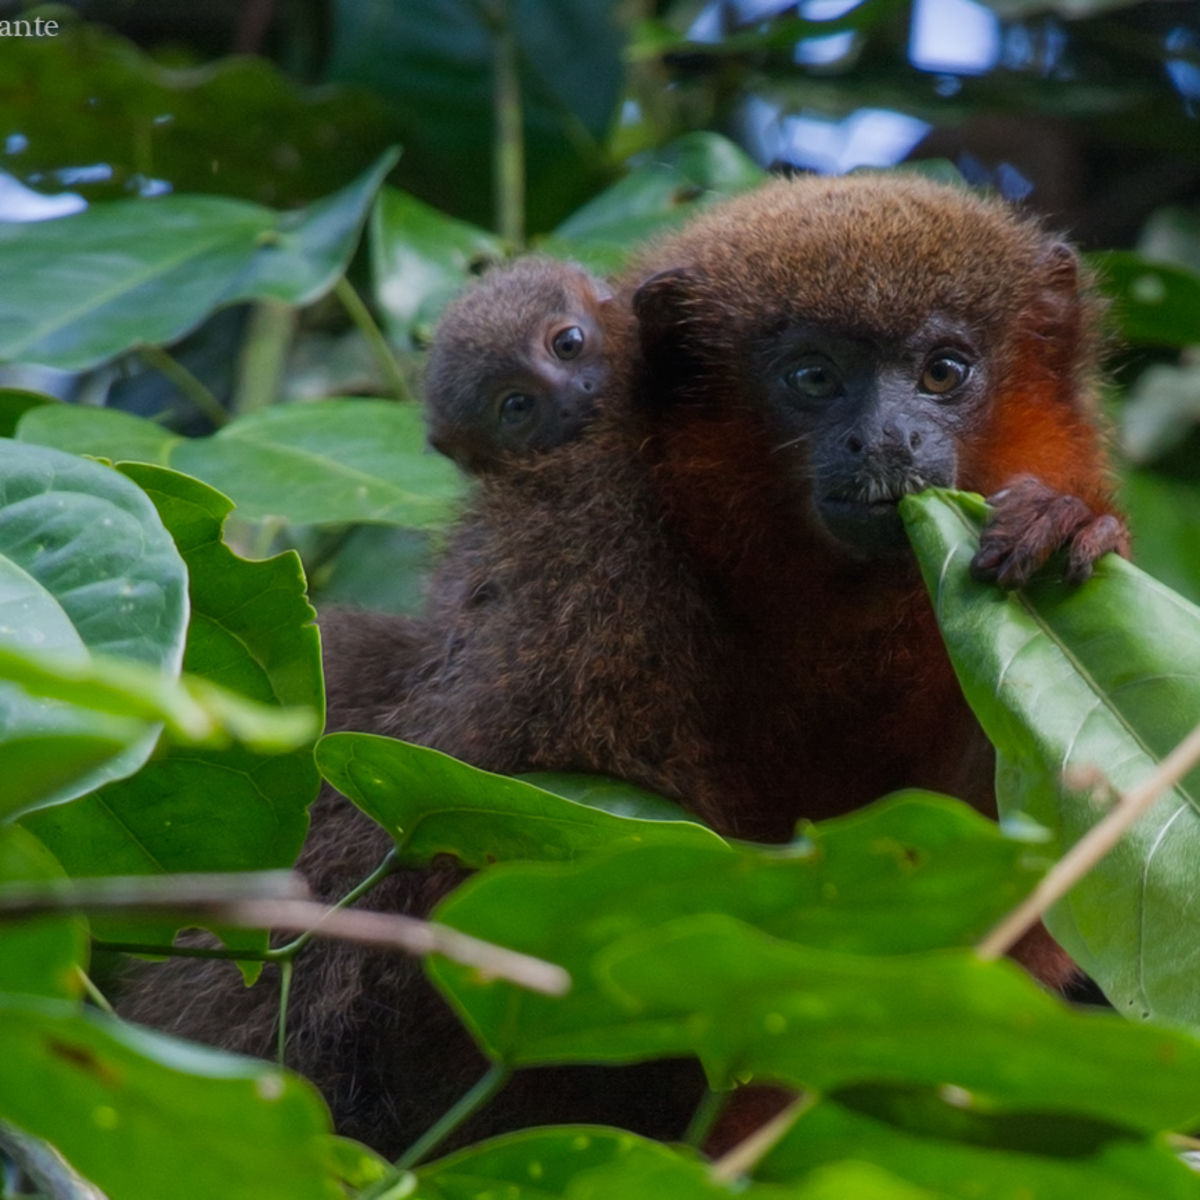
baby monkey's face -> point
(551, 393)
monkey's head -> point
(518, 363)
(860, 338)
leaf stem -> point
(285, 993)
(465, 1107)
(176, 373)
(705, 1117)
(508, 154)
(378, 344)
(1092, 847)
(289, 950)
(93, 993)
(269, 332)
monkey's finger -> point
(1097, 538)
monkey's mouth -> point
(864, 516)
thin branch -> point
(176, 373)
(1092, 847)
(465, 1108)
(396, 931)
(378, 344)
(747, 1154)
(377, 876)
(149, 893)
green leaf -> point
(1154, 303)
(433, 804)
(1106, 675)
(41, 955)
(88, 96)
(811, 1017)
(14, 404)
(589, 1162)
(325, 462)
(191, 710)
(434, 65)
(1161, 409)
(142, 1115)
(937, 1140)
(132, 271)
(220, 809)
(1164, 517)
(907, 874)
(692, 172)
(85, 567)
(539, 1162)
(420, 259)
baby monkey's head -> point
(517, 364)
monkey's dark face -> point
(863, 421)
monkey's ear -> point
(661, 302)
(665, 311)
(1057, 312)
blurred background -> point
(578, 126)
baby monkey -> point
(517, 363)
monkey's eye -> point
(814, 381)
(516, 407)
(944, 374)
(567, 343)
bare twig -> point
(152, 894)
(398, 932)
(274, 900)
(1092, 847)
(749, 1153)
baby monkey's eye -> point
(944, 374)
(516, 407)
(568, 342)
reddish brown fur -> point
(657, 601)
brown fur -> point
(658, 601)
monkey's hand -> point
(1030, 522)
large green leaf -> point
(435, 64)
(147, 271)
(677, 181)
(420, 258)
(327, 462)
(432, 804)
(1106, 675)
(144, 1116)
(934, 1139)
(911, 873)
(85, 566)
(42, 955)
(1164, 516)
(587, 1162)
(14, 404)
(1154, 302)
(750, 1002)
(86, 96)
(217, 809)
